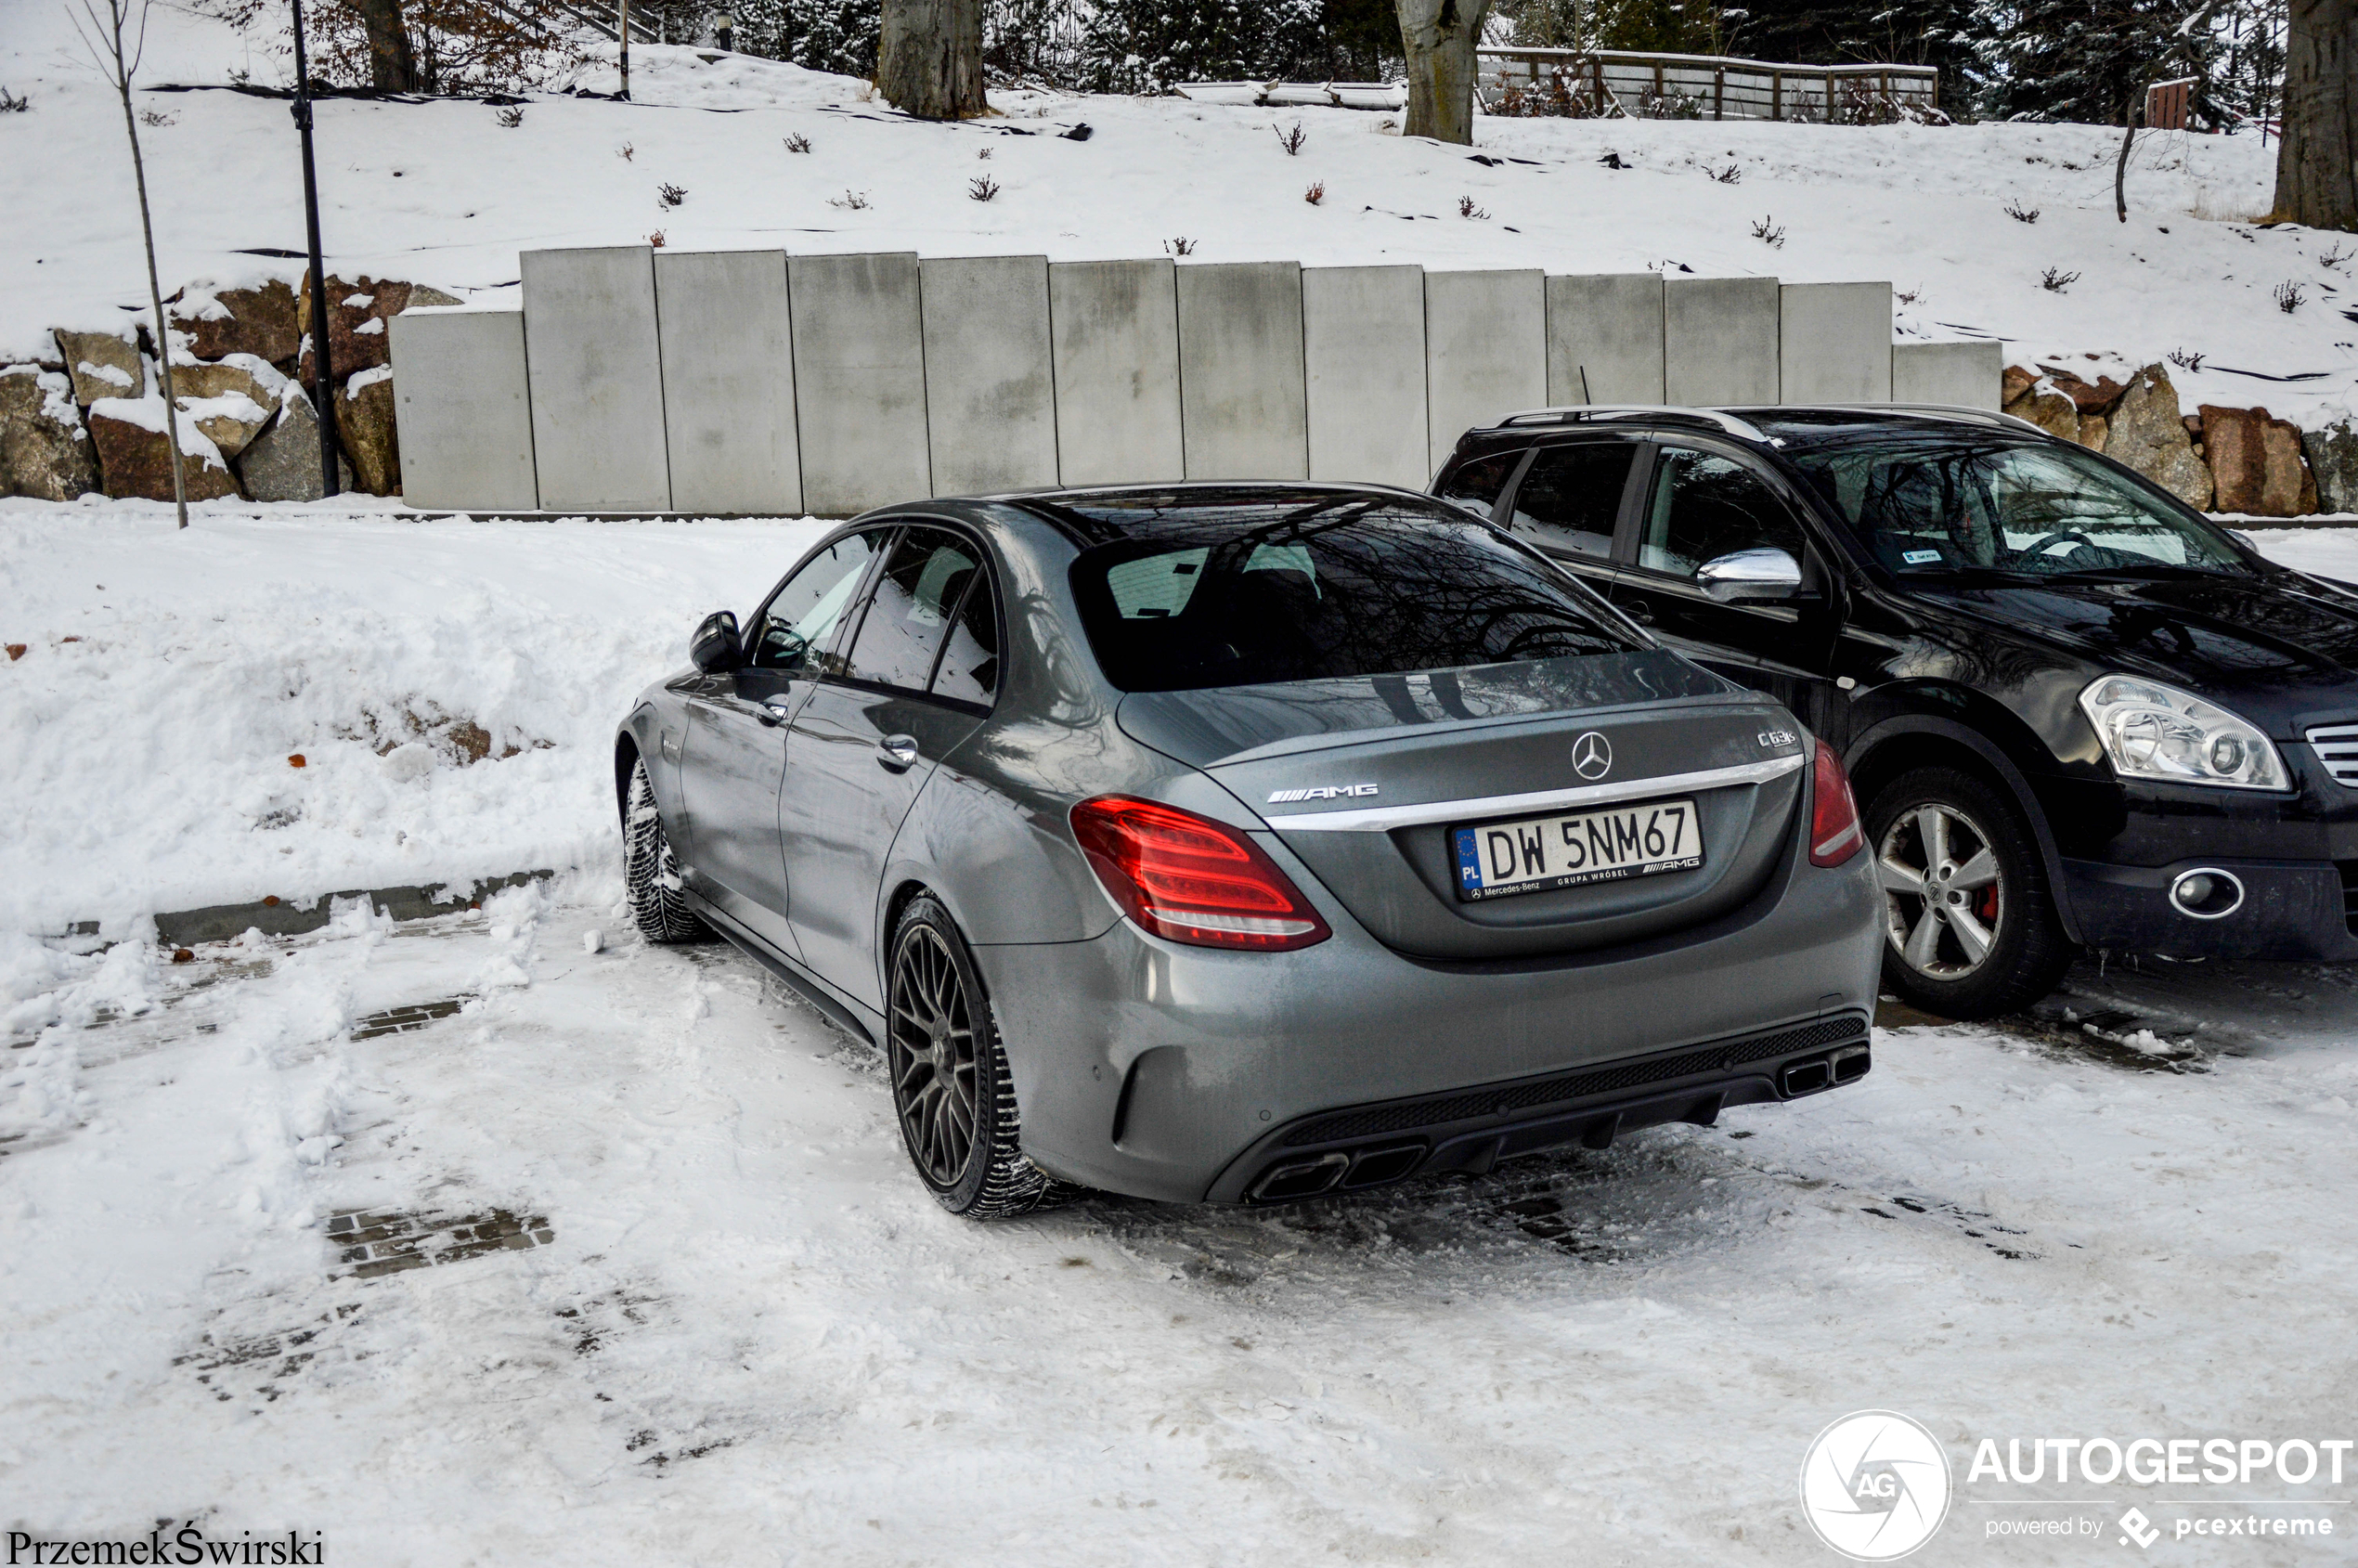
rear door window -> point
(1571, 497)
(969, 669)
(909, 610)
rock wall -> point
(2216, 458)
(93, 418)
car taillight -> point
(1191, 879)
(1834, 835)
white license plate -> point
(1496, 859)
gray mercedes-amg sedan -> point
(1242, 843)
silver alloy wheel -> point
(1944, 904)
(931, 1056)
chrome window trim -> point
(1384, 818)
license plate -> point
(1538, 853)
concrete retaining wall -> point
(1114, 328)
(1967, 373)
(1363, 350)
(597, 379)
(463, 402)
(1242, 412)
(728, 381)
(754, 383)
(859, 381)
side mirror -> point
(1750, 574)
(715, 648)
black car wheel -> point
(951, 1087)
(1972, 931)
(649, 873)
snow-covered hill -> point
(444, 193)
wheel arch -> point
(1883, 752)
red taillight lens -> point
(1190, 879)
(1834, 834)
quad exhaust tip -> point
(2207, 893)
(1807, 1077)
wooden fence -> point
(1586, 84)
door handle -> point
(1639, 610)
(896, 753)
(774, 712)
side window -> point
(1572, 496)
(801, 617)
(1476, 485)
(969, 669)
(908, 616)
(1704, 506)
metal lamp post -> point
(723, 32)
(323, 384)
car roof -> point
(1801, 424)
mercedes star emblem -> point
(1592, 756)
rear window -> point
(1240, 596)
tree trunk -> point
(2317, 160)
(391, 66)
(1438, 37)
(930, 59)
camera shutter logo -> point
(1876, 1486)
(1591, 756)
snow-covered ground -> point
(693, 1307)
(440, 193)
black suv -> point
(2075, 710)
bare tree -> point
(392, 67)
(930, 59)
(2317, 158)
(116, 36)
(1439, 38)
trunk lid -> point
(1370, 776)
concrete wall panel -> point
(1242, 410)
(1970, 373)
(1609, 326)
(859, 381)
(991, 393)
(1834, 343)
(1719, 340)
(597, 379)
(728, 382)
(1485, 352)
(1364, 373)
(1115, 329)
(462, 407)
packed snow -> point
(442, 193)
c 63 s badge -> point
(1777, 738)
(1324, 792)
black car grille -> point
(1720, 1056)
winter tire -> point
(650, 873)
(951, 1090)
(1970, 930)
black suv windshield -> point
(1935, 503)
(1244, 595)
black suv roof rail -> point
(1963, 413)
(1666, 413)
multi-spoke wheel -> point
(951, 1087)
(1972, 932)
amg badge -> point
(1324, 792)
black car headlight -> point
(2155, 731)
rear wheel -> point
(649, 873)
(951, 1087)
(1971, 931)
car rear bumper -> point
(1169, 1072)
(2297, 910)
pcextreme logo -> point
(1876, 1486)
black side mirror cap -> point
(715, 648)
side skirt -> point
(843, 1015)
